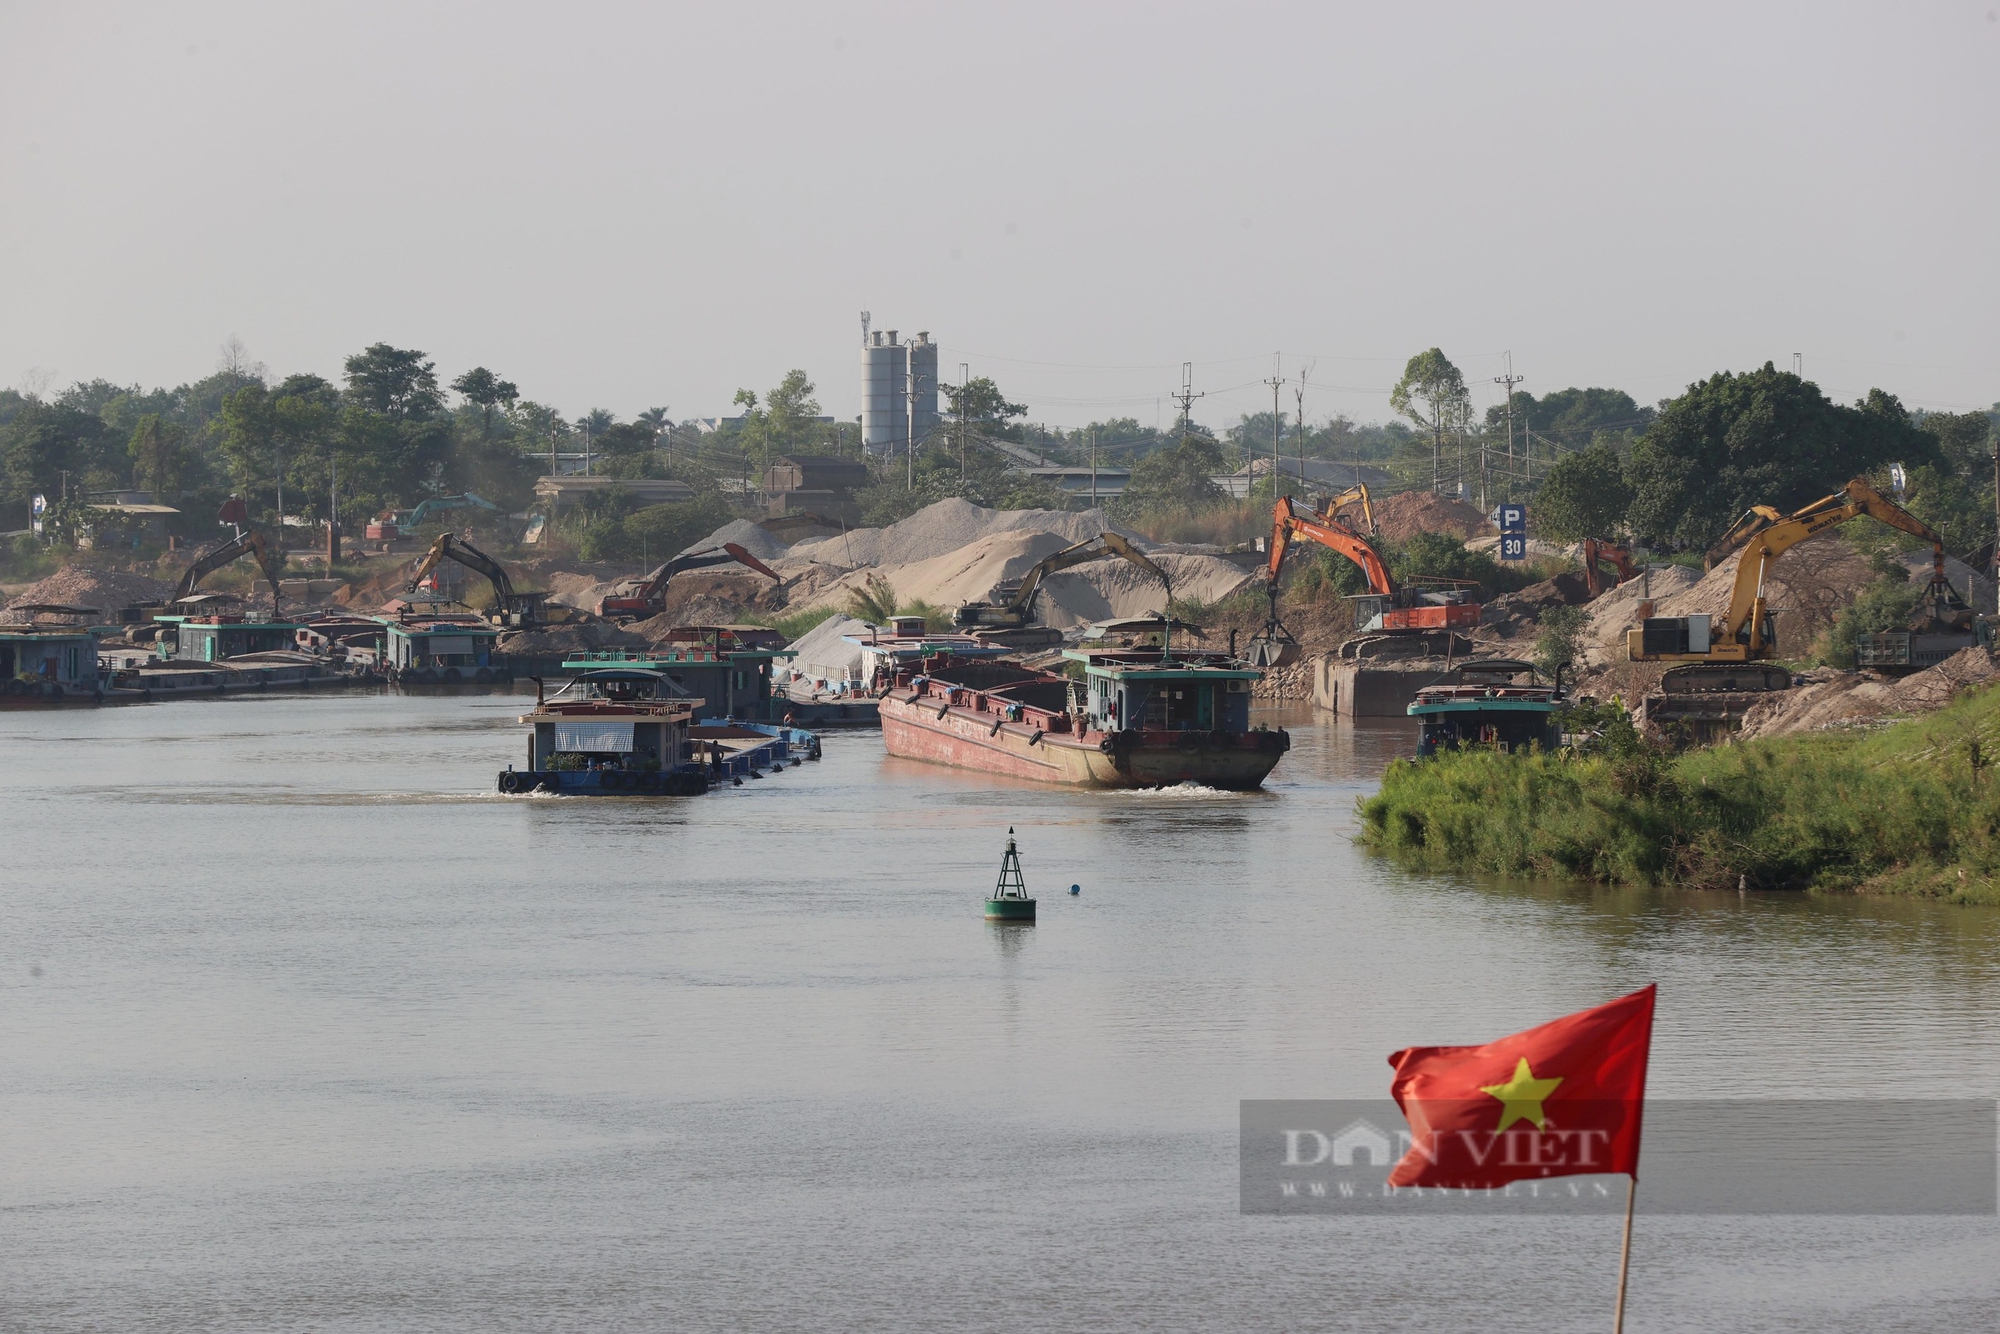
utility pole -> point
(911, 383)
(1506, 382)
(964, 385)
(1799, 364)
(1093, 469)
(332, 512)
(1277, 379)
(1186, 398)
(1299, 399)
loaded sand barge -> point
(1132, 719)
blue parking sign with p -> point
(1513, 518)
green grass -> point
(1902, 810)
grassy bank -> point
(1910, 809)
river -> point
(303, 1028)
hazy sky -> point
(625, 206)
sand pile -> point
(823, 655)
(753, 539)
(1851, 699)
(1091, 592)
(109, 591)
(1402, 517)
(1111, 588)
(945, 527)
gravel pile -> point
(110, 591)
(1286, 683)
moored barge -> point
(1492, 708)
(1133, 718)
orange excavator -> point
(648, 597)
(1441, 606)
(1596, 551)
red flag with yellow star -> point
(1563, 1099)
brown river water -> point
(302, 1028)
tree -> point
(40, 444)
(1584, 495)
(398, 383)
(1432, 395)
(1762, 438)
(979, 405)
(790, 410)
(161, 460)
(483, 389)
(249, 437)
(1179, 480)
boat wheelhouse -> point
(218, 636)
(48, 662)
(627, 731)
(1491, 708)
(617, 731)
(434, 647)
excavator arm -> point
(1853, 500)
(1359, 491)
(251, 542)
(1755, 520)
(1096, 548)
(524, 606)
(1595, 551)
(656, 583)
(650, 596)
(1329, 532)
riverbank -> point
(1908, 809)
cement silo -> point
(885, 367)
(923, 373)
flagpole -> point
(1625, 1256)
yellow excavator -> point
(1017, 607)
(510, 608)
(1330, 506)
(1732, 655)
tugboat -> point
(625, 731)
(617, 732)
(1136, 718)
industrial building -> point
(889, 370)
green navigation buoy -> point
(1009, 901)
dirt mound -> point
(1514, 614)
(1402, 517)
(553, 640)
(1833, 699)
(109, 591)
